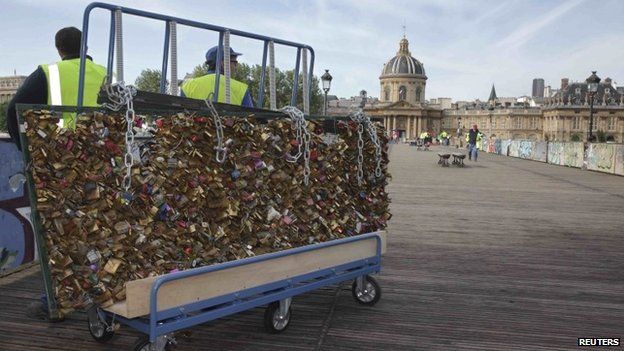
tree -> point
(283, 85)
(575, 137)
(3, 116)
(149, 80)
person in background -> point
(474, 138)
(203, 87)
(57, 83)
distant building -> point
(538, 88)
(501, 118)
(566, 113)
(9, 86)
(402, 105)
(441, 103)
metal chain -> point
(364, 121)
(360, 171)
(121, 95)
(302, 135)
(221, 151)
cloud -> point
(528, 30)
(464, 45)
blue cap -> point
(211, 55)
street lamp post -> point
(592, 89)
(491, 109)
(326, 79)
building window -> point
(418, 91)
(493, 122)
(387, 94)
(611, 123)
(518, 122)
(577, 91)
(402, 93)
(576, 123)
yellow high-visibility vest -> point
(202, 87)
(62, 80)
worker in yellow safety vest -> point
(203, 87)
(57, 83)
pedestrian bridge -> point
(504, 254)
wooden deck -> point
(504, 254)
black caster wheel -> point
(370, 293)
(101, 330)
(143, 344)
(274, 322)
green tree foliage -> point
(149, 80)
(575, 137)
(3, 116)
(251, 75)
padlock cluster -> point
(183, 208)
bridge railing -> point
(601, 157)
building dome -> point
(403, 64)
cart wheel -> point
(371, 293)
(143, 344)
(273, 322)
(99, 330)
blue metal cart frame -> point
(160, 325)
(170, 19)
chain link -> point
(302, 135)
(119, 96)
(364, 121)
(360, 171)
(221, 151)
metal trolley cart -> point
(159, 306)
(188, 298)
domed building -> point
(403, 78)
(402, 103)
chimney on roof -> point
(564, 83)
(608, 81)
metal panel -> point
(180, 21)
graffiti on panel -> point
(506, 147)
(514, 148)
(17, 241)
(601, 157)
(619, 159)
(573, 154)
(555, 153)
(539, 151)
(525, 149)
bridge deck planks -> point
(504, 254)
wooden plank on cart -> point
(230, 280)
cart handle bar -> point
(170, 19)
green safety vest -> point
(202, 87)
(62, 80)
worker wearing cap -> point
(57, 84)
(203, 87)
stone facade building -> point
(9, 86)
(402, 105)
(566, 114)
(560, 115)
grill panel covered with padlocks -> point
(201, 189)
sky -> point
(465, 46)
